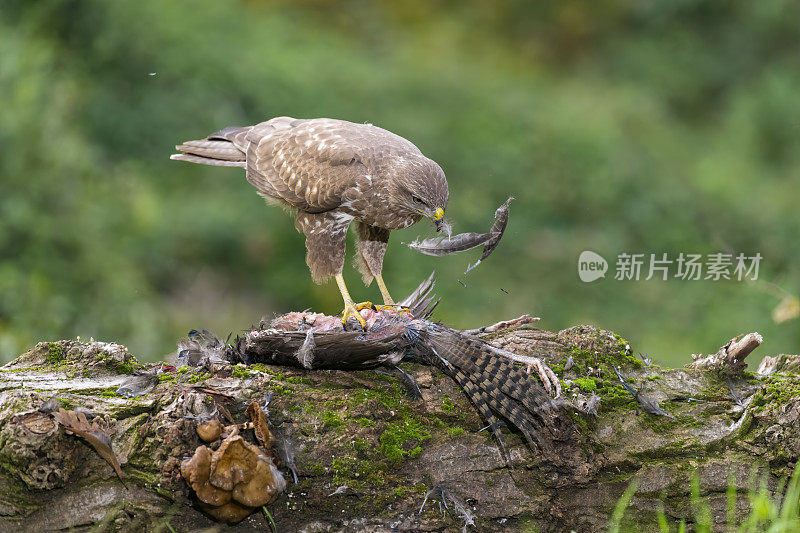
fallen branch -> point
(390, 449)
(731, 356)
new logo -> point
(591, 266)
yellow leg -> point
(387, 298)
(349, 306)
(388, 303)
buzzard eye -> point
(416, 199)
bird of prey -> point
(331, 173)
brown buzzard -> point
(331, 173)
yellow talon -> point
(400, 309)
(364, 305)
(350, 310)
(349, 307)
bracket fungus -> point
(233, 480)
(210, 431)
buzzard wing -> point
(309, 164)
(305, 166)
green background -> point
(620, 126)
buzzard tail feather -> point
(207, 161)
(224, 150)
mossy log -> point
(367, 454)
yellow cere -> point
(438, 214)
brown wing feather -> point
(310, 164)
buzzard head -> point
(421, 190)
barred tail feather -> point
(494, 384)
(207, 161)
(481, 401)
(211, 151)
(214, 149)
(472, 356)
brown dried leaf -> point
(99, 437)
(260, 426)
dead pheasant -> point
(496, 381)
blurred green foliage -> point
(619, 126)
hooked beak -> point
(442, 225)
(437, 216)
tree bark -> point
(367, 454)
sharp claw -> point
(554, 379)
(350, 310)
(394, 307)
(547, 376)
(542, 376)
(363, 305)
